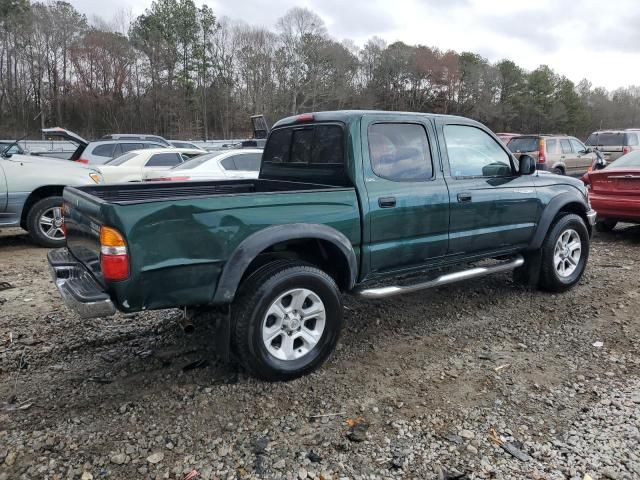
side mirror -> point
(589, 150)
(527, 165)
(599, 163)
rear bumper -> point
(79, 290)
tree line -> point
(179, 71)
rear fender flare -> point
(551, 212)
(256, 243)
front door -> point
(583, 158)
(493, 208)
(407, 196)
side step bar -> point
(390, 291)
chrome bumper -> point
(591, 216)
(79, 290)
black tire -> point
(550, 279)
(37, 233)
(558, 171)
(257, 294)
(606, 225)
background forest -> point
(180, 72)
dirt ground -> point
(415, 389)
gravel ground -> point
(481, 380)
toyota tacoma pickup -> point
(374, 204)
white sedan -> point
(242, 163)
(132, 166)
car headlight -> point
(96, 177)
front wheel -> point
(287, 320)
(565, 252)
(45, 222)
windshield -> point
(198, 161)
(121, 159)
(630, 160)
(523, 144)
(606, 139)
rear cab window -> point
(306, 153)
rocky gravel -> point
(485, 379)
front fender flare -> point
(551, 211)
(252, 246)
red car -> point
(615, 192)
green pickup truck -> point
(373, 204)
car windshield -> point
(198, 161)
(630, 160)
(606, 139)
(523, 144)
(121, 159)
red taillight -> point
(305, 117)
(114, 256)
(626, 150)
(82, 160)
(114, 267)
(541, 155)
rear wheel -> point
(558, 171)
(605, 225)
(287, 320)
(565, 252)
(45, 222)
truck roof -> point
(348, 116)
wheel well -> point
(37, 195)
(578, 209)
(320, 253)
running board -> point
(384, 292)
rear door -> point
(406, 192)
(493, 208)
(568, 157)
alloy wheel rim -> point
(51, 222)
(567, 253)
(293, 324)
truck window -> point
(313, 144)
(474, 153)
(400, 152)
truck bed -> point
(179, 235)
(152, 191)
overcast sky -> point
(594, 39)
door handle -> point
(464, 197)
(387, 202)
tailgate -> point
(616, 182)
(83, 218)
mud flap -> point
(529, 273)
(222, 341)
